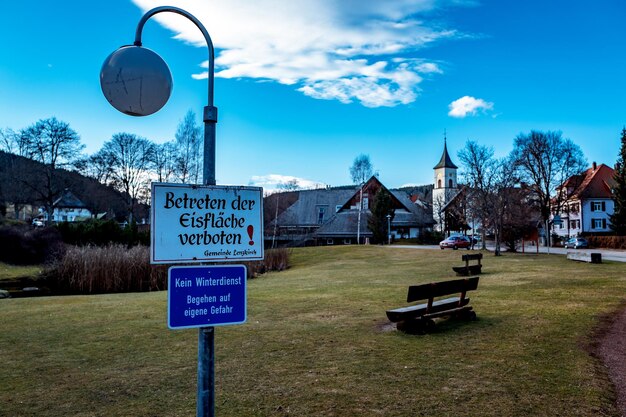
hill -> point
(23, 182)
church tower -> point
(445, 186)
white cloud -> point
(336, 50)
(276, 181)
(468, 105)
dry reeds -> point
(116, 268)
(112, 268)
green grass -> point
(10, 272)
(317, 342)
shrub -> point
(607, 242)
(430, 237)
(101, 233)
(275, 260)
(22, 245)
(112, 268)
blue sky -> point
(304, 86)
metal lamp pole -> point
(136, 81)
(389, 228)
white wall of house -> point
(592, 218)
(68, 214)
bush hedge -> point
(101, 233)
(607, 242)
(23, 245)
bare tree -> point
(131, 156)
(188, 143)
(360, 171)
(491, 185)
(54, 145)
(546, 160)
(164, 161)
(478, 163)
(98, 166)
(12, 142)
(503, 195)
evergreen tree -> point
(378, 222)
(618, 218)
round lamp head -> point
(136, 80)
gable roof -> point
(68, 200)
(372, 186)
(593, 183)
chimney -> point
(594, 165)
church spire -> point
(445, 161)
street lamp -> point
(389, 228)
(137, 82)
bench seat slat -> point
(410, 312)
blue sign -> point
(203, 296)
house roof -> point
(345, 223)
(341, 217)
(304, 210)
(593, 183)
(68, 200)
(445, 161)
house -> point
(67, 208)
(587, 203)
(331, 216)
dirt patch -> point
(608, 343)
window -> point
(439, 183)
(598, 206)
(450, 183)
(574, 224)
(366, 202)
(598, 223)
(320, 214)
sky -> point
(303, 87)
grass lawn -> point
(11, 272)
(317, 343)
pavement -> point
(607, 254)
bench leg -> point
(416, 326)
(469, 315)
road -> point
(607, 254)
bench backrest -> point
(472, 257)
(438, 289)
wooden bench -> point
(419, 318)
(593, 257)
(467, 270)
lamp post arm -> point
(200, 26)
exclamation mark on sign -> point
(250, 232)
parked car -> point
(577, 243)
(474, 239)
(38, 223)
(455, 242)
